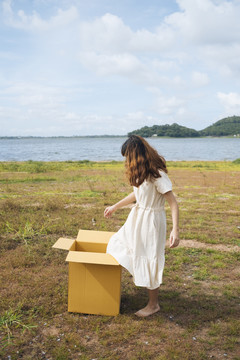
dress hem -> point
(126, 264)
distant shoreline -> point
(63, 137)
(114, 136)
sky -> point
(77, 67)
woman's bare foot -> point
(148, 310)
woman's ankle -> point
(152, 305)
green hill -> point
(173, 130)
(225, 127)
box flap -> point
(64, 243)
(91, 258)
(102, 237)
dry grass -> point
(200, 294)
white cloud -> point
(209, 32)
(109, 34)
(109, 47)
(200, 79)
(170, 105)
(203, 29)
(103, 64)
(167, 106)
(33, 95)
(44, 110)
(165, 65)
(224, 58)
(31, 106)
(138, 119)
(129, 66)
(7, 8)
(230, 101)
(34, 22)
(190, 30)
(105, 34)
(206, 21)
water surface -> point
(109, 148)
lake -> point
(109, 148)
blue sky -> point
(109, 66)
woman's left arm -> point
(174, 236)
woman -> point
(139, 245)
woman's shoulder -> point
(163, 173)
(163, 183)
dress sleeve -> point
(163, 183)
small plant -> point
(26, 233)
(8, 228)
(89, 182)
(12, 319)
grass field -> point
(199, 298)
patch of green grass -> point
(10, 320)
(236, 162)
(61, 353)
(87, 194)
(45, 166)
(32, 180)
(205, 165)
(201, 274)
(214, 277)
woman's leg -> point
(152, 306)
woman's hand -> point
(174, 238)
(124, 202)
(109, 211)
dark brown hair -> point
(142, 161)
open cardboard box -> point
(94, 284)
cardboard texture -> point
(94, 284)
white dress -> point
(139, 245)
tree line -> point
(225, 127)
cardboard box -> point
(94, 285)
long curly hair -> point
(142, 161)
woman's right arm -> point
(124, 202)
